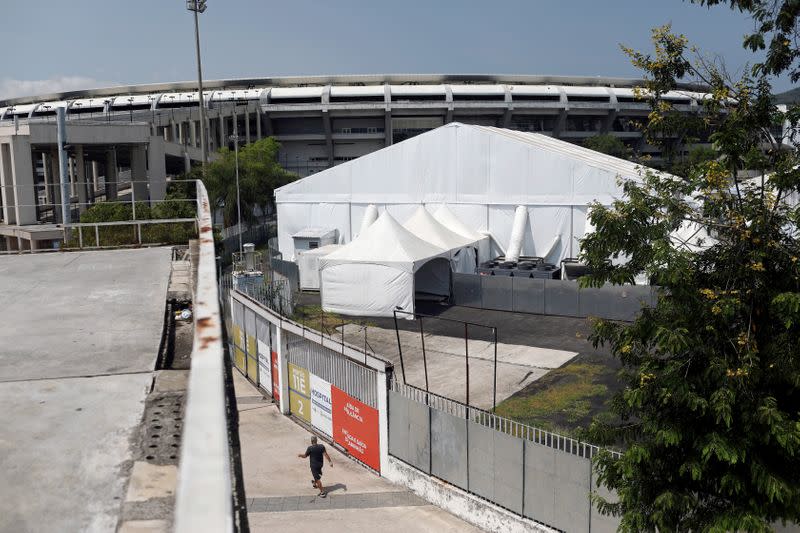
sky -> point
(51, 45)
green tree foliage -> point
(709, 418)
(775, 31)
(608, 144)
(259, 176)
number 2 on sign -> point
(300, 407)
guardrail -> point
(205, 495)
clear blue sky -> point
(49, 44)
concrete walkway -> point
(79, 338)
(278, 483)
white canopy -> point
(462, 249)
(381, 270)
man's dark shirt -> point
(314, 453)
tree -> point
(259, 176)
(775, 30)
(709, 418)
(608, 144)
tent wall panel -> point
(367, 290)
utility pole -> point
(199, 6)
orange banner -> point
(355, 426)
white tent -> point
(381, 271)
(481, 173)
(449, 220)
(462, 249)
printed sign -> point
(251, 346)
(238, 336)
(264, 367)
(355, 426)
(276, 386)
(321, 405)
(299, 392)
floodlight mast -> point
(199, 6)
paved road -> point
(80, 335)
(278, 483)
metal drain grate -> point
(162, 428)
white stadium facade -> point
(145, 134)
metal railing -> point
(499, 423)
(205, 493)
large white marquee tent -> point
(470, 177)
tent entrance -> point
(433, 280)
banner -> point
(321, 405)
(264, 367)
(299, 392)
(355, 426)
(276, 386)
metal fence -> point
(288, 270)
(534, 473)
(551, 297)
(357, 380)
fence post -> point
(494, 387)
(97, 235)
(424, 357)
(466, 356)
(80, 236)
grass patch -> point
(565, 399)
(312, 316)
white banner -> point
(264, 367)
(321, 405)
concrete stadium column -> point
(18, 151)
(223, 138)
(247, 124)
(48, 179)
(95, 185)
(209, 136)
(111, 175)
(157, 169)
(326, 123)
(71, 175)
(193, 137)
(258, 125)
(7, 186)
(55, 183)
(387, 128)
(181, 133)
(139, 173)
(80, 164)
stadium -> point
(133, 138)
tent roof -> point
(449, 220)
(385, 242)
(467, 164)
(425, 226)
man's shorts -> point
(316, 471)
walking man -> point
(315, 452)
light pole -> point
(199, 6)
(235, 139)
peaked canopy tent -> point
(462, 250)
(480, 173)
(381, 271)
(449, 220)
